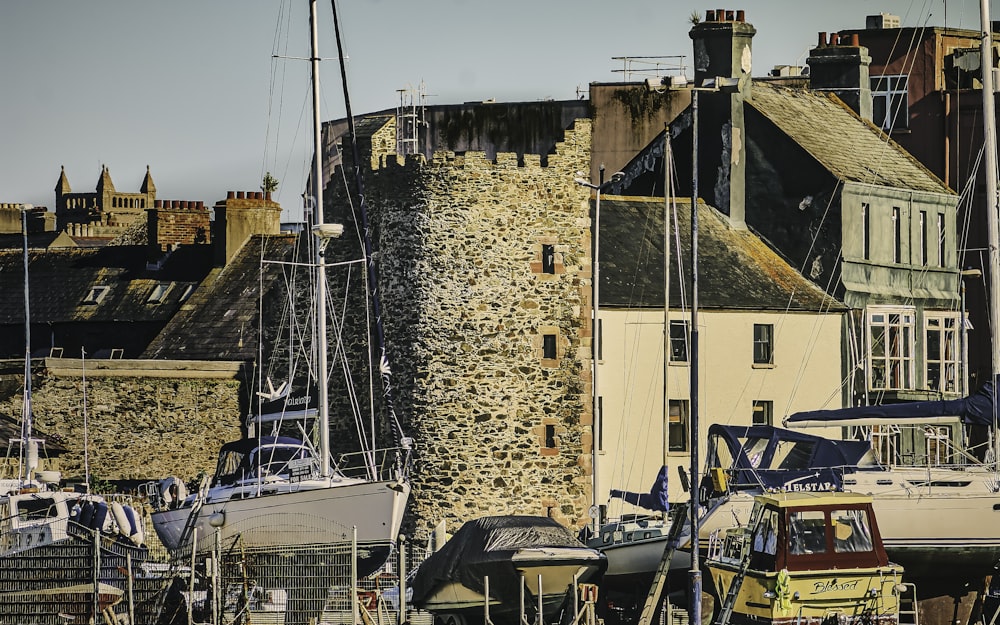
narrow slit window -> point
(549, 346)
(865, 231)
(897, 236)
(550, 436)
(923, 238)
(548, 259)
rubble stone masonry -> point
(490, 346)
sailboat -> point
(67, 552)
(275, 489)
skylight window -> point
(96, 294)
(159, 293)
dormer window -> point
(159, 293)
(96, 294)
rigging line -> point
(384, 369)
(372, 368)
(272, 80)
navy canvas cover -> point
(976, 409)
(769, 457)
(655, 500)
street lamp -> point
(595, 334)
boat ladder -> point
(678, 517)
(192, 519)
(726, 611)
(909, 613)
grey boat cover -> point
(484, 547)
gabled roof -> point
(852, 149)
(220, 321)
(736, 269)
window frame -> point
(678, 443)
(766, 407)
(680, 334)
(890, 101)
(947, 354)
(898, 360)
(763, 344)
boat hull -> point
(301, 515)
(553, 570)
(861, 596)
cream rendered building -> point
(770, 342)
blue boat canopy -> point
(772, 458)
(976, 409)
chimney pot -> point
(720, 15)
(201, 205)
(822, 40)
(259, 195)
(267, 196)
(710, 15)
(741, 16)
(834, 39)
(730, 16)
(230, 195)
(240, 195)
(855, 40)
(157, 203)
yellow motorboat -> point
(805, 558)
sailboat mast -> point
(26, 417)
(385, 371)
(317, 191)
(667, 164)
(990, 148)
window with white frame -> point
(890, 109)
(942, 360)
(890, 347)
(763, 344)
(678, 341)
(677, 427)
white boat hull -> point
(296, 513)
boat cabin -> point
(268, 456)
(807, 531)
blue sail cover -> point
(772, 458)
(976, 409)
(655, 499)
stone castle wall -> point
(498, 428)
(145, 419)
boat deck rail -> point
(379, 464)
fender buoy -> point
(121, 519)
(100, 516)
(136, 533)
(86, 513)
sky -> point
(191, 88)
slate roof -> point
(220, 319)
(851, 148)
(736, 269)
(60, 281)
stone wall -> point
(145, 419)
(498, 427)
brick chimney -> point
(840, 65)
(722, 57)
(240, 216)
